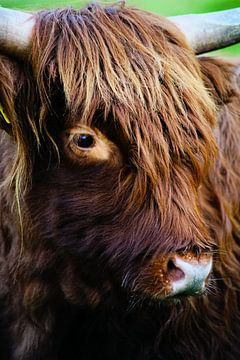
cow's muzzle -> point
(188, 274)
(175, 275)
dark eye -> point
(84, 140)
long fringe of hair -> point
(137, 69)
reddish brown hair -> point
(95, 240)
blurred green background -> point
(163, 7)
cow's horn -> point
(204, 32)
(211, 31)
(15, 31)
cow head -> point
(112, 139)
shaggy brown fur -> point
(82, 239)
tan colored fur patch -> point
(102, 150)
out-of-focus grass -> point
(163, 7)
(40, 4)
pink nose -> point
(188, 274)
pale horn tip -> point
(15, 31)
(211, 31)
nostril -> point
(174, 273)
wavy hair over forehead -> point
(138, 68)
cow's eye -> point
(84, 141)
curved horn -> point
(205, 32)
(15, 31)
(211, 31)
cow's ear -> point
(220, 78)
(9, 83)
(4, 121)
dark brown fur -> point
(82, 241)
